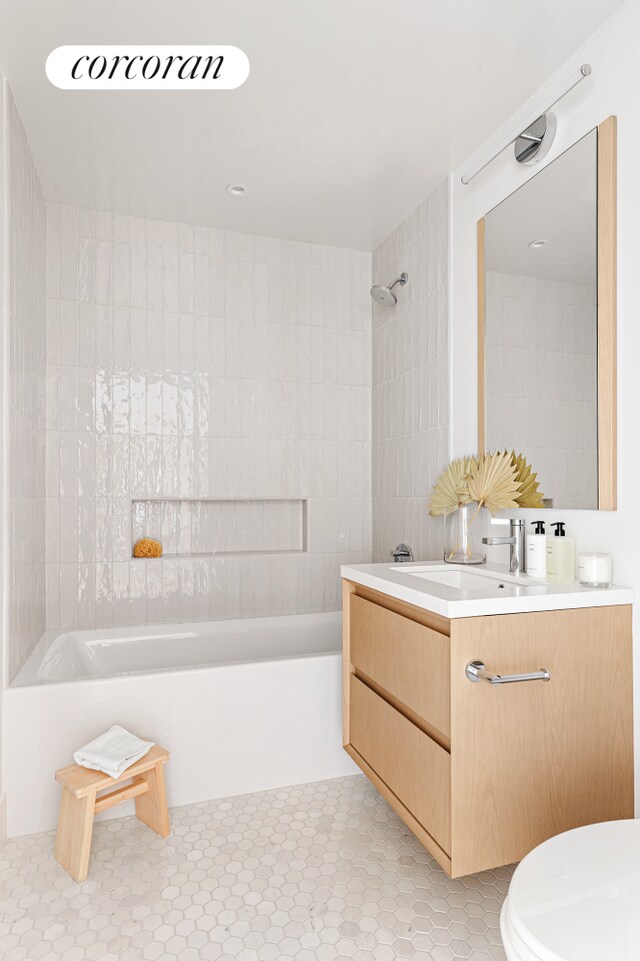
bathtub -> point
(242, 705)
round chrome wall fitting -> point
(535, 142)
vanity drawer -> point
(411, 764)
(406, 659)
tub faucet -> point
(515, 542)
(402, 554)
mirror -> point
(546, 325)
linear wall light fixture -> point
(572, 81)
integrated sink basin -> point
(454, 590)
(465, 582)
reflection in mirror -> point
(540, 345)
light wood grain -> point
(80, 781)
(407, 659)
(73, 837)
(414, 768)
(80, 803)
(348, 589)
(436, 735)
(402, 811)
(113, 798)
(481, 337)
(530, 760)
(527, 760)
(435, 621)
(607, 310)
(151, 807)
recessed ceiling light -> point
(537, 243)
(236, 190)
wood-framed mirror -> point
(547, 324)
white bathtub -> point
(243, 705)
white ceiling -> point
(559, 205)
(353, 110)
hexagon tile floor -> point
(322, 871)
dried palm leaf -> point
(451, 490)
(493, 482)
(529, 494)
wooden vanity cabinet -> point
(483, 773)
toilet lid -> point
(577, 896)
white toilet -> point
(577, 897)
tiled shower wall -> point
(195, 364)
(541, 350)
(411, 380)
(25, 369)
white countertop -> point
(409, 583)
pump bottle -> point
(537, 551)
(561, 556)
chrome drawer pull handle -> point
(476, 671)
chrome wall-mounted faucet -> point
(402, 554)
(515, 542)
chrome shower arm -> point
(402, 279)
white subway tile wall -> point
(541, 381)
(411, 380)
(191, 363)
(25, 368)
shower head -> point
(385, 295)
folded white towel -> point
(112, 752)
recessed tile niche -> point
(190, 527)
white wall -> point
(411, 380)
(25, 395)
(22, 370)
(4, 428)
(613, 88)
(187, 363)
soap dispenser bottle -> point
(561, 556)
(537, 551)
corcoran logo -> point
(147, 68)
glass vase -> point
(463, 533)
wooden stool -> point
(80, 803)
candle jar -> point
(595, 570)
